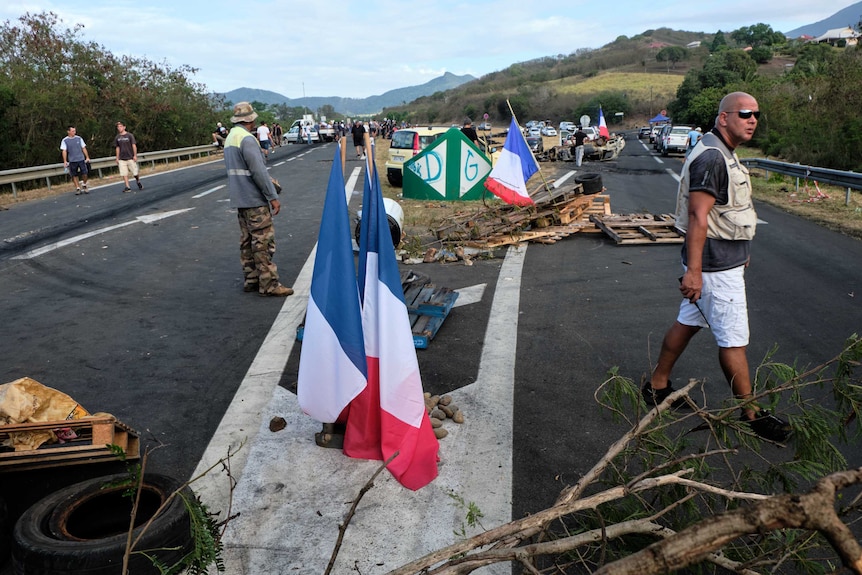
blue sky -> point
(361, 48)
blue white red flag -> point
(508, 178)
(603, 126)
(389, 415)
(332, 365)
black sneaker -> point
(140, 186)
(656, 396)
(768, 426)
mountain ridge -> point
(353, 106)
(849, 16)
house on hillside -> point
(691, 45)
(834, 37)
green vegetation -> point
(50, 79)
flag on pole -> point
(389, 415)
(332, 365)
(603, 126)
(508, 178)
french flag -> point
(332, 365)
(508, 179)
(603, 126)
(389, 415)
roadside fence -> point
(847, 180)
(99, 165)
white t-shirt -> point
(262, 133)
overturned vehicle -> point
(601, 149)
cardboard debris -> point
(26, 400)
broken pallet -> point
(94, 435)
(637, 229)
(427, 306)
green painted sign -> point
(452, 168)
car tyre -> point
(82, 529)
(592, 183)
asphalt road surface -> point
(133, 305)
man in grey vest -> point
(255, 197)
(75, 158)
(716, 212)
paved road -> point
(147, 320)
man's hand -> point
(691, 285)
(274, 206)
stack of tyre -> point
(83, 529)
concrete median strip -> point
(292, 495)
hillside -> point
(850, 16)
(352, 106)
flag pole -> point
(544, 181)
(343, 142)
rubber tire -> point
(81, 529)
(5, 532)
(592, 183)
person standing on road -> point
(358, 132)
(694, 137)
(716, 212)
(580, 137)
(75, 158)
(263, 136)
(468, 130)
(253, 194)
(127, 156)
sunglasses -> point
(746, 114)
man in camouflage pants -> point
(255, 198)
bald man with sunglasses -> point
(716, 213)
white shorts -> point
(128, 167)
(723, 303)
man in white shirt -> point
(263, 136)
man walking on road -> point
(255, 198)
(716, 212)
(75, 158)
(580, 136)
(127, 156)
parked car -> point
(536, 144)
(534, 131)
(292, 136)
(568, 127)
(644, 132)
(654, 133)
(592, 133)
(405, 144)
(548, 131)
(484, 126)
(676, 140)
(658, 145)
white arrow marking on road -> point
(61, 244)
(161, 216)
(568, 175)
(211, 190)
(470, 294)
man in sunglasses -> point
(716, 213)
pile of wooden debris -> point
(557, 214)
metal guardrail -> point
(849, 180)
(98, 165)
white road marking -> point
(211, 190)
(565, 177)
(470, 294)
(148, 219)
(673, 174)
(291, 495)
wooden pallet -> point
(427, 307)
(635, 229)
(427, 310)
(94, 433)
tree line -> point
(51, 79)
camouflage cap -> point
(242, 113)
